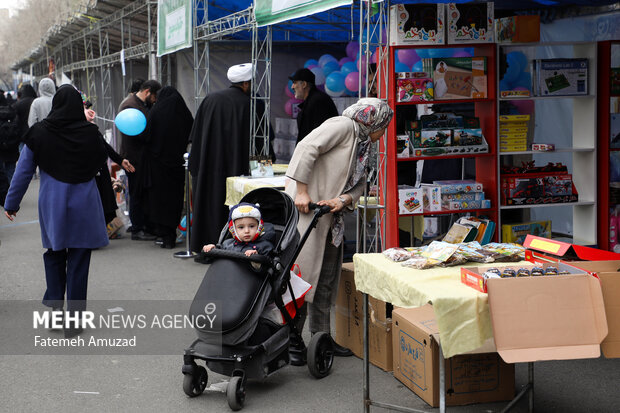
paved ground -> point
(132, 270)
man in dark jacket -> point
(131, 149)
(316, 107)
(25, 96)
(9, 145)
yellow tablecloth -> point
(238, 186)
(462, 313)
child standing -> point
(250, 234)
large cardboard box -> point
(349, 322)
(470, 378)
(609, 274)
(547, 318)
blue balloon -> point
(130, 121)
(524, 80)
(517, 59)
(417, 67)
(331, 66)
(311, 62)
(504, 85)
(335, 82)
(423, 53)
(348, 67)
(512, 73)
(401, 67)
(326, 58)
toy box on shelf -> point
(561, 77)
(517, 29)
(410, 200)
(517, 232)
(417, 24)
(531, 185)
(446, 134)
(414, 87)
(470, 23)
(458, 77)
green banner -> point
(174, 25)
(275, 11)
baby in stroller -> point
(249, 271)
(250, 234)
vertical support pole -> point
(530, 382)
(442, 381)
(188, 215)
(366, 365)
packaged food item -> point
(440, 251)
(415, 251)
(456, 259)
(506, 251)
(473, 251)
(397, 254)
(419, 263)
(509, 273)
(523, 272)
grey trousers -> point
(325, 291)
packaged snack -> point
(455, 259)
(506, 251)
(473, 251)
(415, 251)
(440, 251)
(419, 263)
(509, 273)
(523, 272)
(397, 254)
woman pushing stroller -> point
(329, 167)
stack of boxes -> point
(458, 195)
(513, 133)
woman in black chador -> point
(163, 175)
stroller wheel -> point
(235, 393)
(320, 355)
(194, 384)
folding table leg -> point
(366, 356)
(442, 382)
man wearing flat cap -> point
(316, 107)
(220, 139)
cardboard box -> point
(472, 196)
(410, 200)
(608, 273)
(474, 276)
(541, 250)
(349, 322)
(470, 23)
(458, 205)
(562, 77)
(518, 29)
(517, 232)
(547, 318)
(413, 87)
(402, 146)
(470, 378)
(432, 197)
(434, 138)
(459, 77)
(456, 186)
(417, 24)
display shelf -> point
(558, 204)
(422, 158)
(450, 211)
(557, 150)
(485, 164)
(578, 151)
(604, 135)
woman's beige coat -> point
(323, 160)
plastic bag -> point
(397, 254)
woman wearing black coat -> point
(163, 175)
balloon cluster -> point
(516, 76)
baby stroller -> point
(246, 346)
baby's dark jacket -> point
(263, 244)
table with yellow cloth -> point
(238, 186)
(462, 313)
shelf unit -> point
(485, 164)
(605, 50)
(580, 152)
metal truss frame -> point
(261, 91)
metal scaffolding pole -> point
(201, 53)
(260, 106)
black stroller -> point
(250, 346)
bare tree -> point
(26, 30)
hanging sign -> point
(275, 11)
(174, 25)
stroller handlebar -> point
(220, 253)
(319, 210)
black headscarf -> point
(65, 144)
(27, 91)
(168, 127)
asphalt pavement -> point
(139, 270)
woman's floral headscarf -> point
(371, 114)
